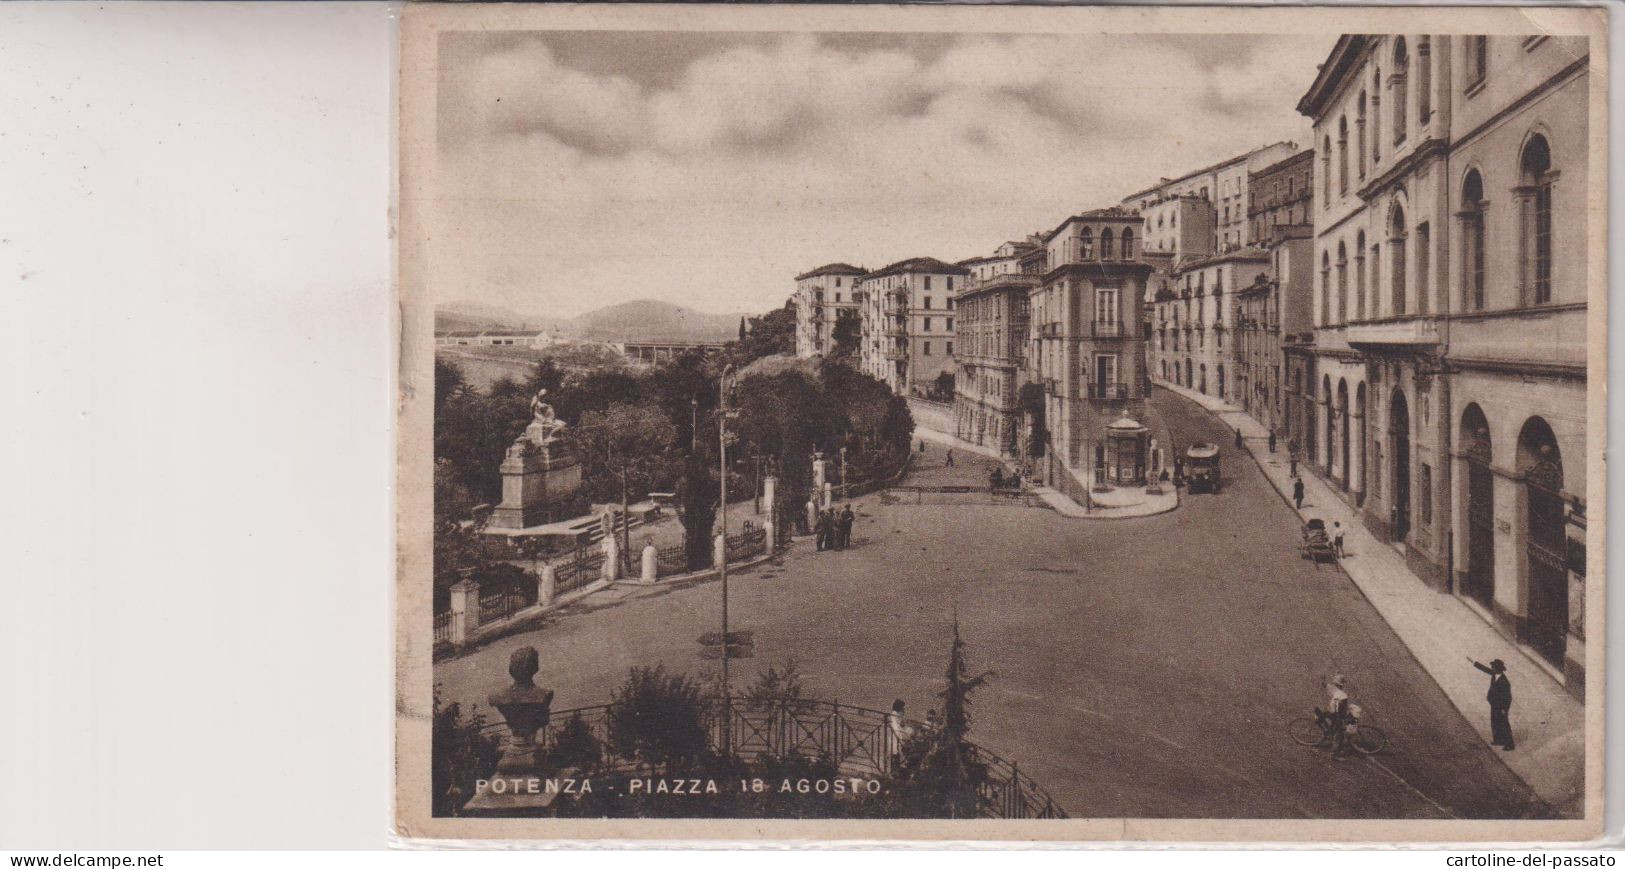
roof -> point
(1188, 175)
(1344, 54)
(918, 265)
(831, 269)
(1113, 212)
(1281, 165)
(1240, 254)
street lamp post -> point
(722, 513)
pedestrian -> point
(1297, 493)
(1238, 438)
(1500, 697)
(1272, 440)
(1337, 708)
(900, 730)
(1292, 446)
(922, 447)
(832, 526)
(1337, 538)
(847, 518)
(1293, 461)
(822, 530)
(950, 462)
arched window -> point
(1535, 199)
(1424, 81)
(1342, 283)
(1401, 66)
(1105, 244)
(1325, 288)
(1396, 241)
(1376, 118)
(1326, 170)
(1128, 244)
(1359, 135)
(1359, 276)
(1342, 155)
(1472, 241)
(1086, 244)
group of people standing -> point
(834, 530)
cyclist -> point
(1336, 719)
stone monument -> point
(515, 786)
(538, 470)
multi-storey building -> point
(824, 296)
(907, 327)
(1264, 308)
(1224, 185)
(1281, 195)
(991, 342)
(1451, 316)
(1292, 270)
(1087, 349)
(1195, 319)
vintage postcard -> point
(829, 423)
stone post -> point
(719, 551)
(547, 583)
(611, 570)
(650, 564)
(812, 515)
(465, 611)
(829, 495)
(770, 543)
(515, 786)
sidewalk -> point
(1441, 630)
(1116, 504)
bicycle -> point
(1317, 731)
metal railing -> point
(747, 544)
(1108, 391)
(581, 569)
(960, 495)
(1108, 329)
(859, 741)
(442, 627)
(501, 603)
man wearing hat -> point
(1500, 697)
(1337, 708)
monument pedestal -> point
(535, 475)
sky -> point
(583, 169)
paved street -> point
(1143, 667)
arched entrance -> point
(1343, 429)
(1541, 466)
(1479, 581)
(1399, 449)
(1360, 411)
(1331, 425)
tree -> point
(632, 442)
(773, 333)
(659, 718)
(845, 334)
(940, 775)
(741, 328)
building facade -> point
(1451, 315)
(1194, 320)
(907, 323)
(823, 296)
(990, 345)
(1281, 195)
(1224, 185)
(1087, 350)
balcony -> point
(1108, 391)
(1104, 329)
(1048, 330)
(896, 353)
(1394, 332)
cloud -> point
(714, 181)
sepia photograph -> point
(1001, 423)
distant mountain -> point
(639, 320)
(651, 320)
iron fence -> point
(671, 559)
(747, 544)
(442, 627)
(501, 603)
(858, 740)
(582, 568)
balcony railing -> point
(1397, 331)
(1108, 391)
(1105, 329)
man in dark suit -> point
(1500, 697)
